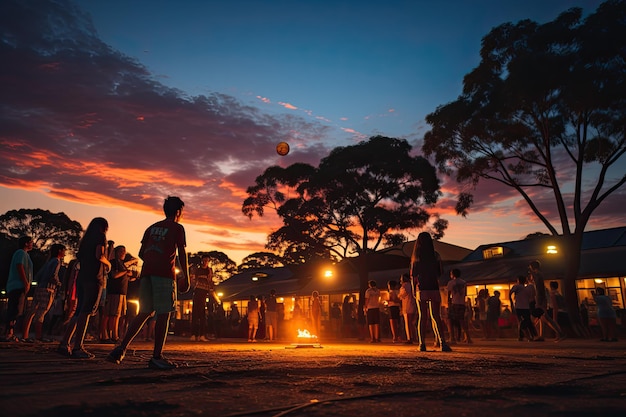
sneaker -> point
(202, 339)
(27, 340)
(193, 338)
(445, 347)
(64, 350)
(116, 355)
(423, 347)
(81, 354)
(161, 363)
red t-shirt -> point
(158, 248)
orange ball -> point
(282, 148)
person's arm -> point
(182, 258)
(119, 273)
(22, 273)
(101, 255)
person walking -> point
(520, 296)
(162, 243)
(94, 267)
(48, 283)
(541, 305)
(426, 268)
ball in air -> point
(282, 148)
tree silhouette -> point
(543, 113)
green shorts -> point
(157, 294)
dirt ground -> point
(235, 378)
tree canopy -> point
(360, 198)
(544, 113)
(260, 260)
(44, 227)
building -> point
(495, 266)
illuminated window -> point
(493, 252)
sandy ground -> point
(235, 378)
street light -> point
(552, 250)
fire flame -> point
(305, 334)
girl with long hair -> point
(94, 267)
(426, 268)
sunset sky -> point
(144, 99)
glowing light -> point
(220, 294)
(255, 278)
(551, 249)
(305, 334)
(328, 273)
(598, 281)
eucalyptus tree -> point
(545, 114)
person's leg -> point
(422, 315)
(82, 322)
(160, 333)
(438, 327)
(28, 319)
(134, 328)
(114, 322)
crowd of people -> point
(100, 281)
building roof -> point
(602, 255)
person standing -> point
(253, 318)
(457, 291)
(606, 315)
(409, 309)
(18, 285)
(534, 268)
(426, 268)
(94, 267)
(117, 290)
(316, 314)
(160, 245)
(48, 283)
(520, 296)
(372, 311)
(393, 303)
(204, 287)
(271, 312)
(493, 315)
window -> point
(493, 252)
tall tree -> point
(544, 113)
(360, 198)
(43, 226)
